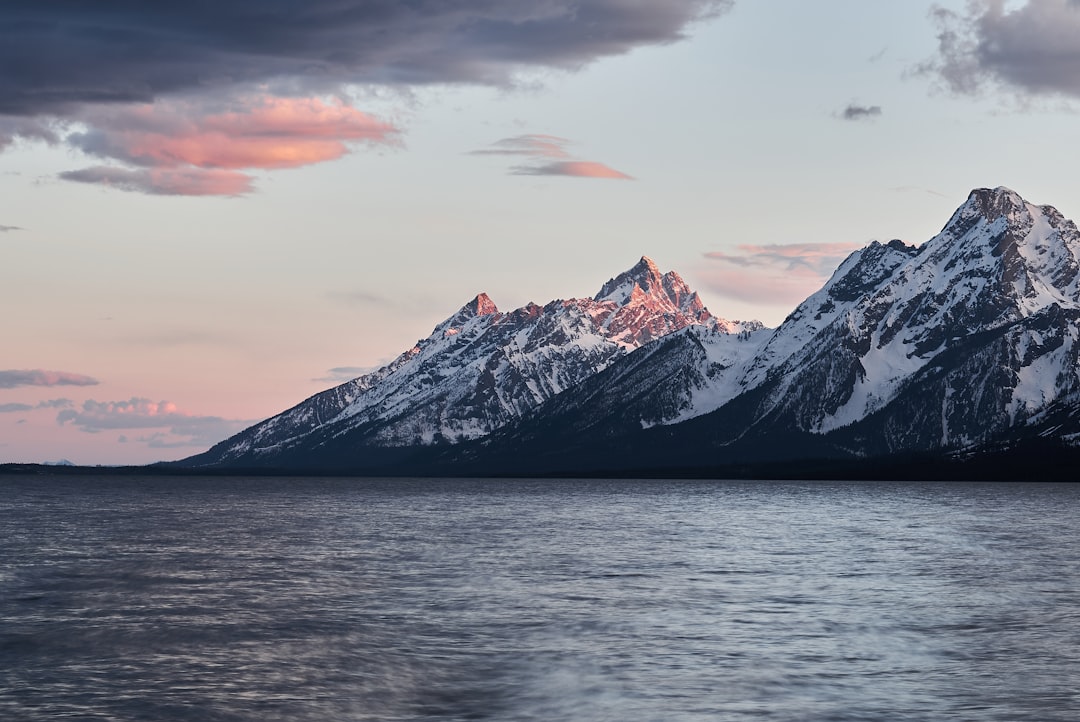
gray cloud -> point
(49, 404)
(219, 67)
(165, 181)
(1033, 49)
(774, 273)
(34, 129)
(534, 145)
(8, 229)
(359, 298)
(12, 378)
(860, 112)
(70, 54)
(136, 413)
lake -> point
(129, 598)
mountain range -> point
(965, 347)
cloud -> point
(125, 52)
(137, 413)
(573, 168)
(50, 404)
(773, 274)
(1033, 49)
(541, 150)
(341, 374)
(860, 112)
(251, 132)
(918, 189)
(9, 229)
(136, 83)
(12, 378)
(139, 84)
(165, 181)
(534, 145)
(359, 298)
(191, 148)
(27, 129)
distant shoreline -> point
(1031, 462)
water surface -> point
(315, 599)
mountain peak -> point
(993, 203)
(645, 276)
(481, 305)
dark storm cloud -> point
(56, 55)
(860, 112)
(1033, 49)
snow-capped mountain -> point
(481, 369)
(968, 342)
(951, 343)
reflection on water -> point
(304, 599)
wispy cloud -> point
(9, 229)
(165, 181)
(11, 378)
(548, 156)
(13, 408)
(572, 168)
(1031, 48)
(138, 413)
(532, 145)
(359, 298)
(341, 374)
(918, 189)
(860, 112)
(772, 274)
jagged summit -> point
(481, 369)
(644, 276)
(993, 203)
(478, 307)
(971, 338)
(663, 292)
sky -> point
(210, 211)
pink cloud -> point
(772, 274)
(165, 181)
(574, 169)
(548, 156)
(190, 149)
(534, 145)
(12, 378)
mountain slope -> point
(968, 344)
(967, 341)
(478, 370)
